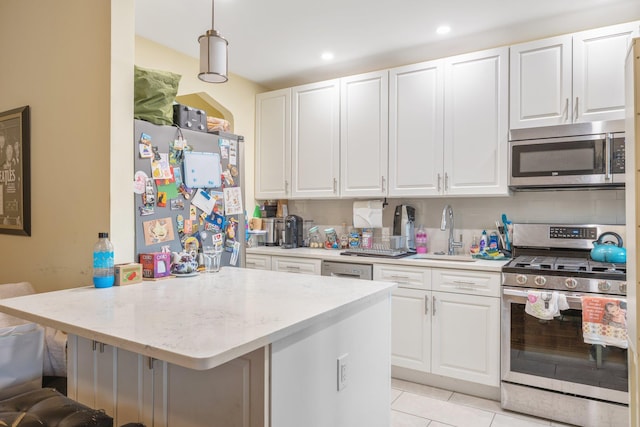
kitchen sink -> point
(443, 257)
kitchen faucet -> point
(447, 219)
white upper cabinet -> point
(448, 126)
(569, 79)
(364, 139)
(540, 82)
(273, 145)
(598, 72)
(416, 129)
(315, 140)
(475, 123)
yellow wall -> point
(56, 59)
(236, 95)
(63, 60)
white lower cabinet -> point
(258, 262)
(447, 323)
(411, 329)
(465, 337)
(296, 265)
(133, 388)
(284, 263)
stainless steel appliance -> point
(404, 225)
(272, 237)
(547, 368)
(293, 227)
(582, 155)
(347, 269)
(159, 227)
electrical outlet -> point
(342, 371)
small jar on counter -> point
(367, 239)
(354, 239)
(314, 237)
(331, 239)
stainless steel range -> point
(547, 368)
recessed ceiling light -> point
(443, 29)
(327, 56)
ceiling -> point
(278, 43)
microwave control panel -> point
(617, 155)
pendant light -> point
(213, 55)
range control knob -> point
(604, 286)
(540, 281)
(571, 283)
(623, 287)
(521, 279)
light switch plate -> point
(342, 371)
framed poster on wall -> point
(15, 172)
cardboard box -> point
(128, 274)
(155, 265)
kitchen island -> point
(234, 348)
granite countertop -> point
(334, 255)
(198, 322)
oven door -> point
(552, 355)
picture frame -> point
(15, 172)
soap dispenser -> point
(483, 241)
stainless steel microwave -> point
(582, 155)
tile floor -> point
(416, 405)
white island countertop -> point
(203, 321)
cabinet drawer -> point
(466, 282)
(405, 277)
(258, 262)
(296, 265)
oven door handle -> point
(571, 297)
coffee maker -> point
(403, 225)
(293, 235)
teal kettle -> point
(608, 251)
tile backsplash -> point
(473, 214)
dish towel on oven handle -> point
(604, 321)
(545, 305)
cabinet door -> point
(416, 129)
(258, 262)
(315, 140)
(411, 329)
(296, 265)
(475, 123)
(541, 83)
(92, 361)
(273, 144)
(598, 72)
(482, 283)
(364, 137)
(404, 276)
(466, 337)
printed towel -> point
(545, 305)
(604, 321)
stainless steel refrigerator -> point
(188, 188)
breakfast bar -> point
(235, 348)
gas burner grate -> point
(538, 263)
(571, 264)
(601, 267)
